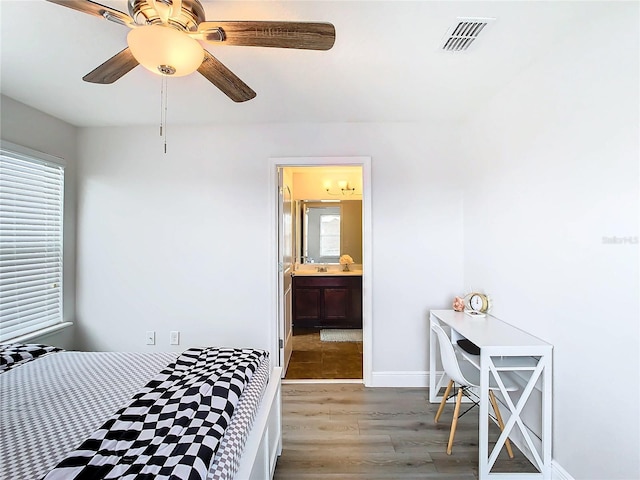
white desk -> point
(503, 348)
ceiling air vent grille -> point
(463, 34)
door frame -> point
(367, 257)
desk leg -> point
(483, 440)
(433, 391)
(434, 385)
(546, 415)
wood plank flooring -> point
(347, 431)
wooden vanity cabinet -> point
(327, 301)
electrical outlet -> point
(151, 337)
(174, 338)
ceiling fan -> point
(165, 35)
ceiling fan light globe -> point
(156, 46)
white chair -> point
(466, 375)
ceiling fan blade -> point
(304, 35)
(93, 8)
(225, 79)
(112, 69)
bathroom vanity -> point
(327, 300)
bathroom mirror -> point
(327, 229)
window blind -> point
(31, 219)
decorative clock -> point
(477, 304)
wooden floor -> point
(347, 431)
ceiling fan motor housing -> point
(190, 16)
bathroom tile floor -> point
(314, 359)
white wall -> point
(553, 168)
(27, 127)
(181, 241)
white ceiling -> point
(386, 64)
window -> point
(329, 235)
(31, 214)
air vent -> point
(460, 37)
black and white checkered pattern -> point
(227, 459)
(14, 354)
(173, 426)
(49, 406)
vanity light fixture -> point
(343, 186)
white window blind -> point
(31, 213)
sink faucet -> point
(321, 268)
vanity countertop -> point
(330, 273)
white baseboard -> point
(399, 379)
(559, 473)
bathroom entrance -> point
(323, 254)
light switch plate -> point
(174, 338)
(151, 337)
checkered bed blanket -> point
(172, 428)
(14, 354)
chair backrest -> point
(448, 356)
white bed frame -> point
(264, 443)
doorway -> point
(324, 357)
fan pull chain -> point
(161, 103)
(163, 110)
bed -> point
(208, 413)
